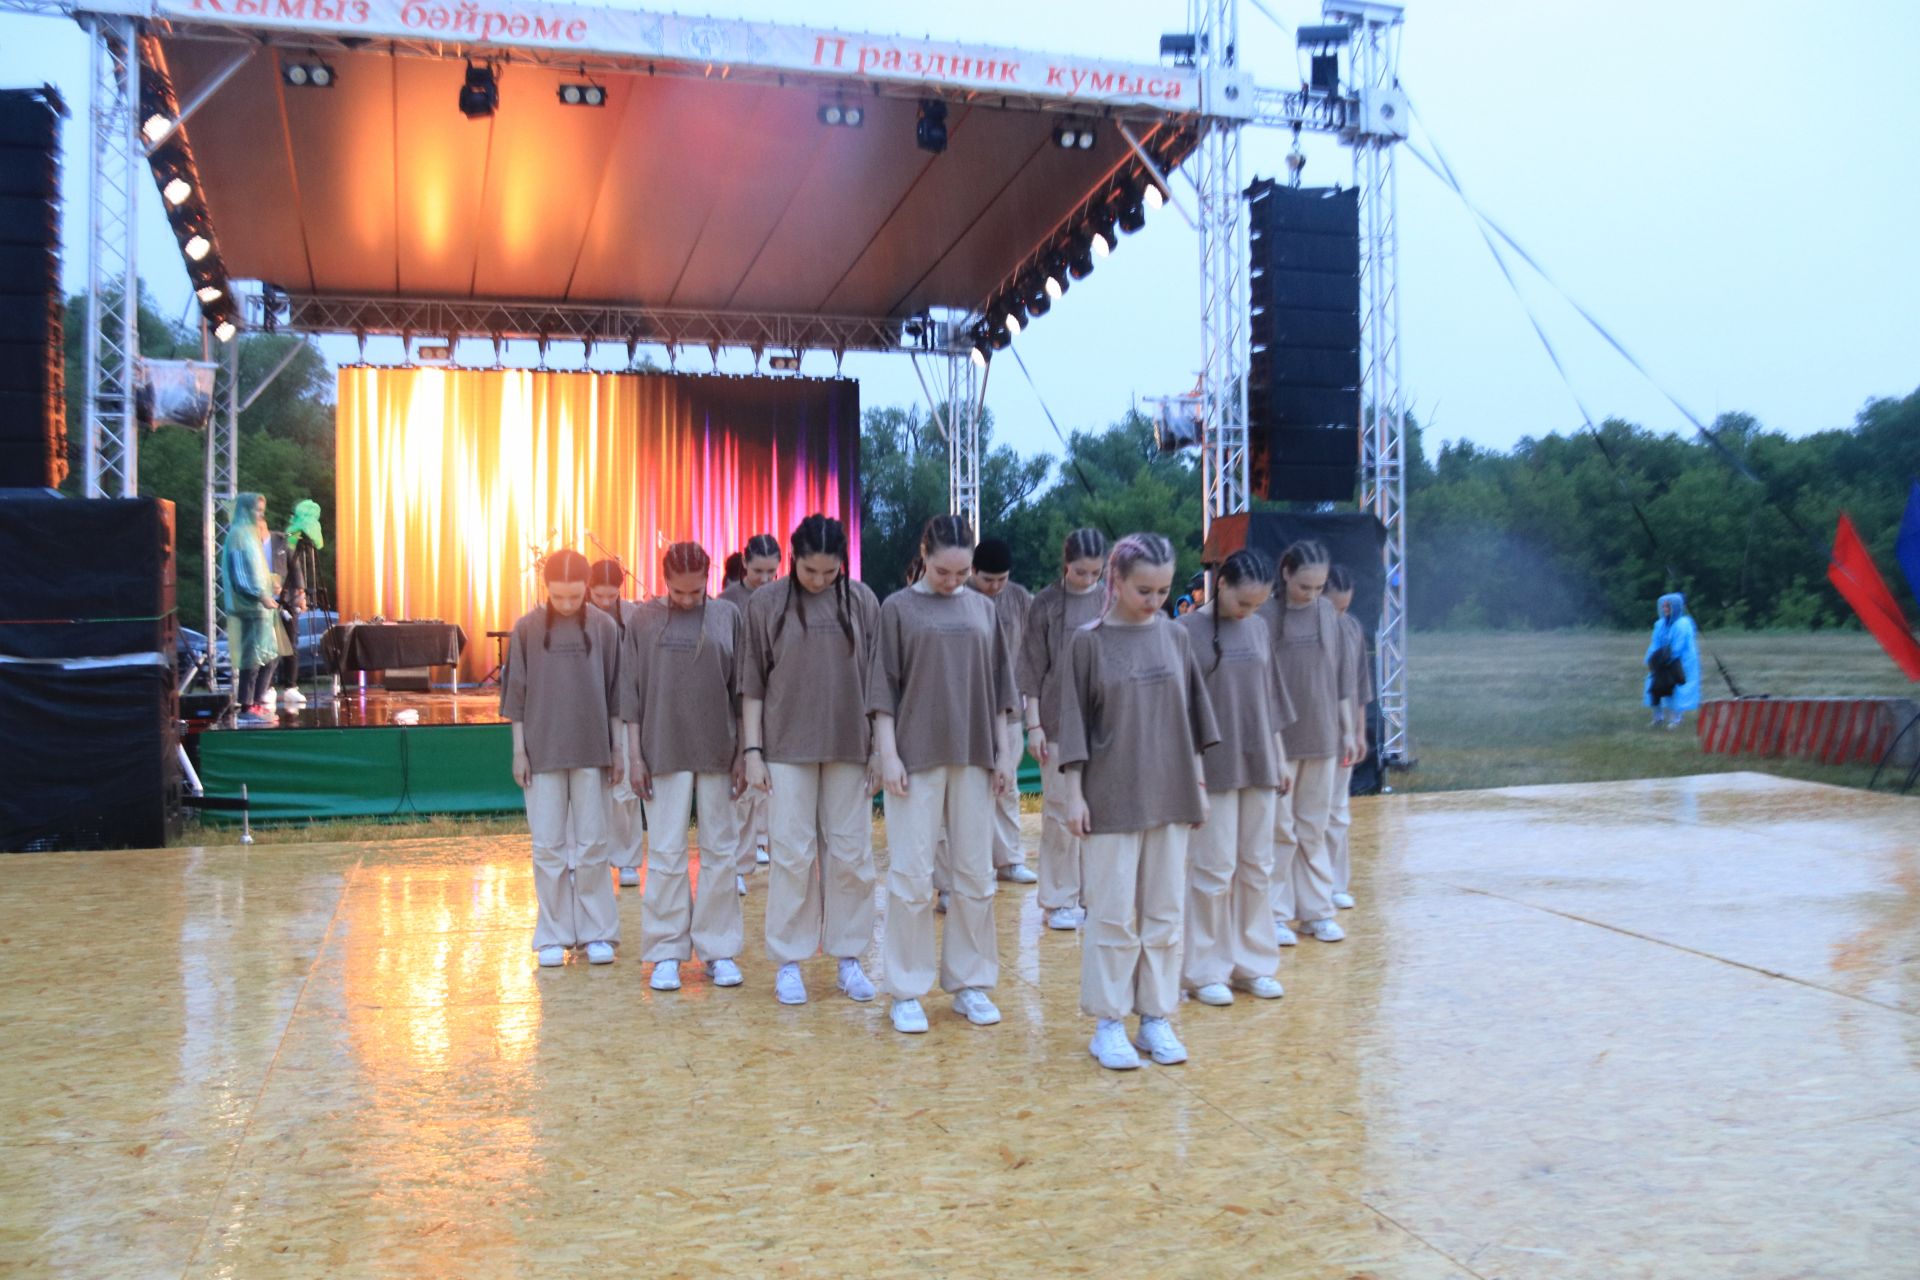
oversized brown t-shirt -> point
(1356, 637)
(1250, 703)
(562, 685)
(941, 669)
(737, 594)
(1055, 614)
(1012, 606)
(1133, 714)
(799, 662)
(1315, 671)
(679, 686)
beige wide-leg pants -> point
(1339, 828)
(677, 918)
(1302, 869)
(1229, 922)
(820, 884)
(1130, 956)
(1061, 857)
(750, 814)
(567, 815)
(955, 801)
(626, 821)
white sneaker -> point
(788, 986)
(740, 885)
(760, 856)
(1287, 937)
(666, 975)
(629, 877)
(854, 981)
(552, 957)
(1018, 873)
(1264, 987)
(293, 698)
(268, 699)
(908, 1017)
(1214, 993)
(1110, 1046)
(940, 902)
(1156, 1039)
(725, 973)
(599, 953)
(972, 1004)
(1344, 901)
(1063, 918)
(1324, 930)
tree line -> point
(1562, 530)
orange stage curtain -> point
(451, 482)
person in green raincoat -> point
(247, 595)
(299, 591)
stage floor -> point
(1640, 1029)
(374, 707)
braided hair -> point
(1304, 554)
(1245, 567)
(1338, 579)
(1083, 544)
(760, 545)
(684, 558)
(565, 566)
(819, 535)
(1134, 549)
(735, 569)
(609, 572)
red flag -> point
(1852, 573)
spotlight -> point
(784, 364)
(982, 346)
(1074, 137)
(225, 330)
(302, 74)
(1155, 197)
(583, 95)
(197, 247)
(176, 191)
(1013, 315)
(1100, 228)
(1080, 256)
(1057, 277)
(842, 113)
(930, 130)
(433, 353)
(209, 293)
(999, 336)
(480, 95)
(1033, 293)
(1130, 213)
(156, 127)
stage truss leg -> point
(1383, 481)
(1224, 297)
(112, 339)
(966, 398)
(216, 497)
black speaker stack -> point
(1303, 379)
(33, 399)
(88, 711)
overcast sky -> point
(1729, 185)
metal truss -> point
(572, 322)
(221, 484)
(111, 342)
(1224, 300)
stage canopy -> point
(710, 181)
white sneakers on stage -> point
(1344, 901)
(1157, 1041)
(1286, 935)
(725, 973)
(908, 1017)
(1323, 930)
(1263, 987)
(940, 902)
(740, 885)
(599, 953)
(788, 986)
(629, 877)
(1018, 873)
(293, 699)
(1111, 1048)
(1217, 994)
(760, 855)
(854, 981)
(972, 1004)
(1066, 918)
(552, 957)
(666, 975)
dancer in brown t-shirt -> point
(626, 817)
(759, 565)
(1340, 819)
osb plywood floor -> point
(1642, 1029)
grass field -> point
(1497, 709)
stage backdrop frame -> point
(451, 481)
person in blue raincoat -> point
(247, 591)
(1673, 663)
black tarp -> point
(87, 755)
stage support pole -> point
(1224, 298)
(111, 464)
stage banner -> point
(452, 483)
(711, 42)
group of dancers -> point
(1194, 771)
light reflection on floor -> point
(1640, 1029)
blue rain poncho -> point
(246, 589)
(1677, 634)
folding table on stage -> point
(396, 648)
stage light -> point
(1130, 212)
(209, 293)
(225, 330)
(583, 95)
(1180, 48)
(930, 130)
(303, 74)
(1013, 314)
(1057, 277)
(1034, 296)
(433, 352)
(176, 191)
(999, 336)
(844, 114)
(1074, 136)
(784, 364)
(156, 126)
(197, 247)
(982, 353)
(853, 117)
(1080, 256)
(1154, 196)
(480, 94)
